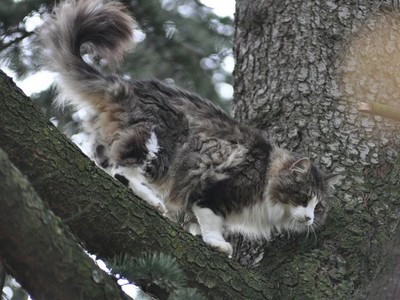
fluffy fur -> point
(174, 149)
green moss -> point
(225, 276)
(81, 165)
(236, 285)
(207, 279)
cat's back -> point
(168, 103)
(193, 131)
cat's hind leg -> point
(211, 229)
(136, 181)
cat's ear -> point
(331, 180)
(301, 167)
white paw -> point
(194, 229)
(161, 208)
(221, 246)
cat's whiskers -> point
(314, 227)
(291, 224)
(308, 232)
(315, 235)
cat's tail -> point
(105, 28)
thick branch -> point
(37, 249)
(103, 213)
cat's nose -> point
(308, 220)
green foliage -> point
(155, 273)
(156, 268)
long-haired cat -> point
(174, 149)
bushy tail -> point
(105, 27)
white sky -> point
(223, 8)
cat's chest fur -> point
(259, 220)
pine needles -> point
(156, 273)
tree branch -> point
(380, 109)
(116, 222)
(37, 248)
(24, 34)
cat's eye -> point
(318, 207)
(304, 200)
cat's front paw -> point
(221, 246)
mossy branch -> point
(39, 251)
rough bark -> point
(291, 61)
(102, 213)
(2, 277)
(36, 247)
(386, 286)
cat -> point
(175, 149)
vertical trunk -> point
(387, 282)
(299, 76)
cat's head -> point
(302, 190)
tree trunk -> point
(387, 283)
(37, 249)
(301, 70)
(102, 213)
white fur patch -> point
(85, 142)
(261, 219)
(255, 221)
(152, 146)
